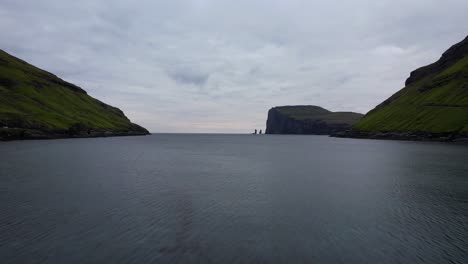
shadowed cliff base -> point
(412, 136)
(7, 133)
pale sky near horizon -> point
(220, 65)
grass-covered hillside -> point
(308, 119)
(435, 99)
(36, 104)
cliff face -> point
(37, 104)
(311, 120)
(454, 54)
(432, 106)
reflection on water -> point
(233, 199)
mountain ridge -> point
(433, 105)
(36, 104)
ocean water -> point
(188, 198)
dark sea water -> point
(233, 199)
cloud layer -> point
(219, 65)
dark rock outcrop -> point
(308, 119)
(450, 57)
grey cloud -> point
(187, 76)
(171, 64)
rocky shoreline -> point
(9, 134)
(409, 136)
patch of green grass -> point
(300, 112)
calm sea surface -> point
(170, 198)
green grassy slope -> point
(35, 99)
(435, 99)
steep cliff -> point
(432, 106)
(37, 104)
(308, 119)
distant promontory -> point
(308, 119)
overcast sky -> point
(220, 65)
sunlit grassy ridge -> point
(33, 98)
(436, 102)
